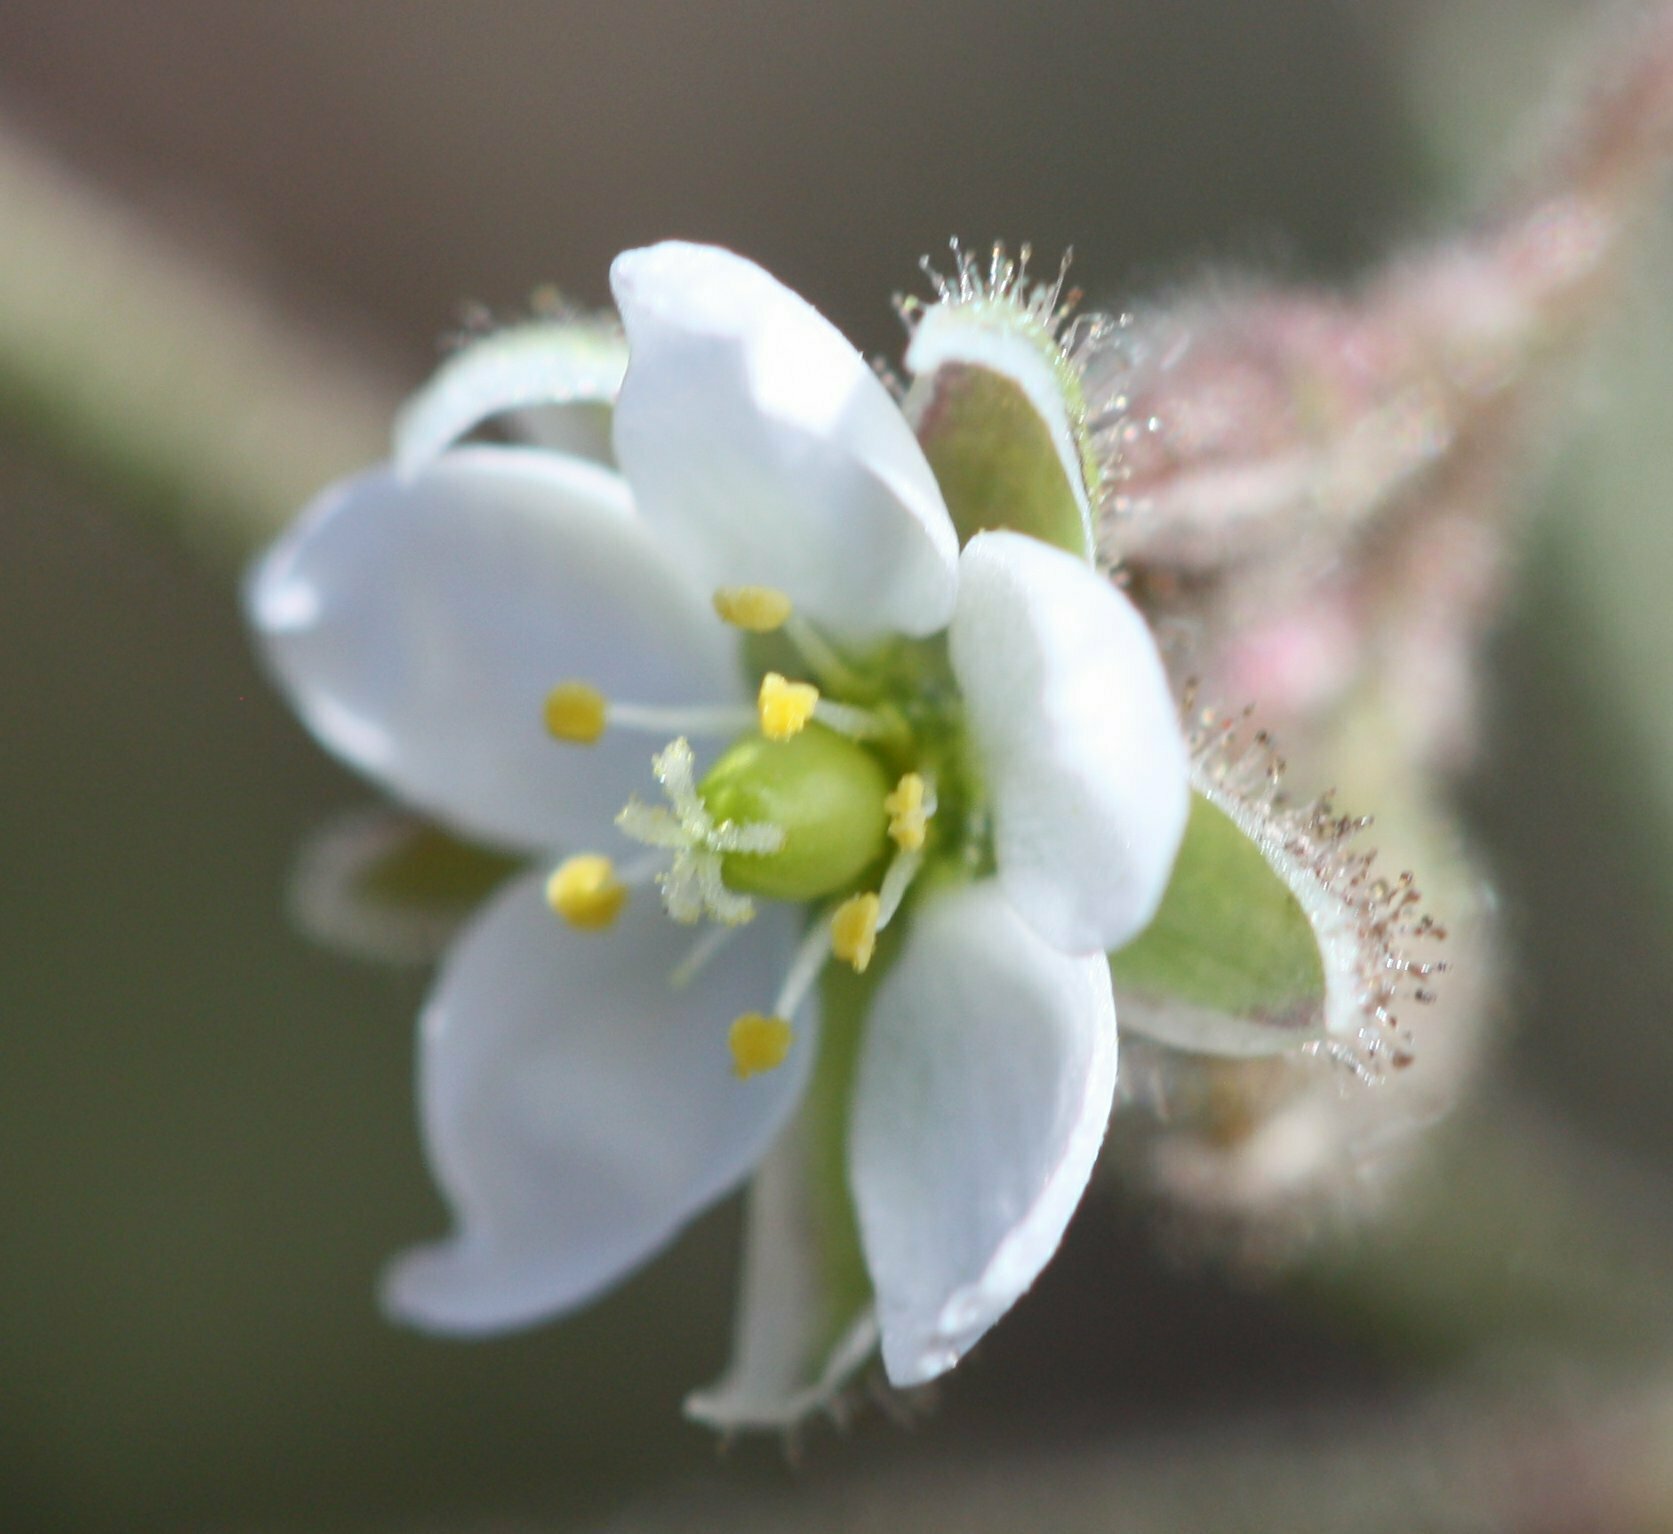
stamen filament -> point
(897, 880)
(698, 956)
(761, 1042)
(846, 719)
(821, 656)
(577, 712)
(697, 719)
(805, 965)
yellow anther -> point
(575, 712)
(585, 891)
(908, 819)
(785, 707)
(854, 930)
(758, 1043)
(760, 609)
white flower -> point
(978, 744)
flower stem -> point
(176, 386)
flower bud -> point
(824, 791)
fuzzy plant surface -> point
(863, 810)
(902, 789)
(888, 742)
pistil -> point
(692, 885)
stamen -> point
(910, 807)
(755, 1038)
(586, 893)
(758, 1043)
(575, 712)
(897, 879)
(698, 956)
(579, 713)
(854, 930)
(697, 719)
(805, 965)
(845, 719)
(821, 656)
(759, 609)
(785, 707)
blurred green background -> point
(206, 1138)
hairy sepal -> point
(568, 361)
(806, 1328)
(385, 885)
(1277, 934)
(997, 405)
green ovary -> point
(823, 790)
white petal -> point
(984, 1089)
(577, 1110)
(759, 440)
(418, 624)
(1078, 737)
(805, 1323)
(573, 364)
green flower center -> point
(849, 773)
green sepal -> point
(572, 362)
(1231, 963)
(431, 870)
(384, 885)
(805, 1322)
(844, 1001)
(996, 409)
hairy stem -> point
(159, 376)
